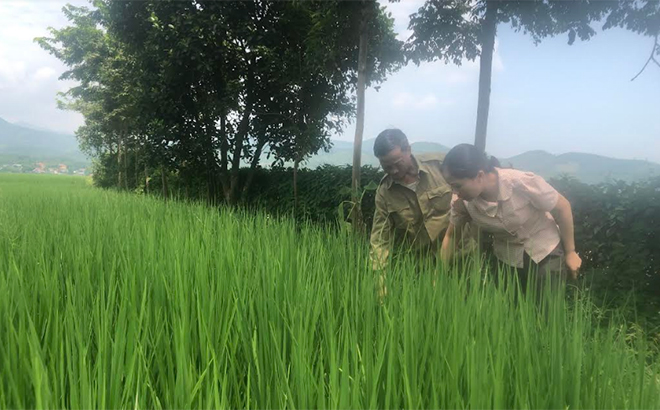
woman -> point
(531, 223)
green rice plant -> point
(110, 300)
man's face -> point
(397, 163)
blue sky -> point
(553, 97)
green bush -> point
(320, 192)
(617, 231)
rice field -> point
(111, 300)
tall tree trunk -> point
(146, 179)
(488, 32)
(137, 168)
(224, 149)
(120, 167)
(211, 166)
(253, 166)
(296, 165)
(359, 126)
(241, 135)
(125, 165)
(163, 177)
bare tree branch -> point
(651, 58)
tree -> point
(200, 87)
(365, 15)
(456, 30)
(104, 95)
(379, 53)
(641, 17)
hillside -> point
(35, 143)
(588, 168)
(27, 144)
(342, 153)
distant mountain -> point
(32, 126)
(22, 140)
(31, 143)
(342, 153)
(587, 168)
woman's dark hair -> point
(465, 161)
(389, 139)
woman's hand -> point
(573, 263)
(564, 217)
(447, 248)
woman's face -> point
(467, 189)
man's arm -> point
(381, 234)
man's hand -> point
(573, 263)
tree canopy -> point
(201, 87)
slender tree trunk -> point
(253, 166)
(125, 165)
(137, 168)
(211, 166)
(359, 126)
(120, 168)
(296, 165)
(187, 182)
(241, 134)
(146, 179)
(236, 158)
(224, 149)
(489, 30)
(164, 182)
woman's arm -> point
(564, 217)
(458, 217)
(447, 249)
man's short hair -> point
(389, 139)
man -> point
(412, 201)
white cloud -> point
(408, 100)
(28, 74)
(401, 12)
(439, 72)
(12, 72)
(452, 74)
(44, 73)
(427, 101)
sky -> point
(551, 97)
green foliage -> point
(199, 87)
(344, 215)
(320, 192)
(640, 17)
(451, 30)
(109, 300)
(617, 231)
